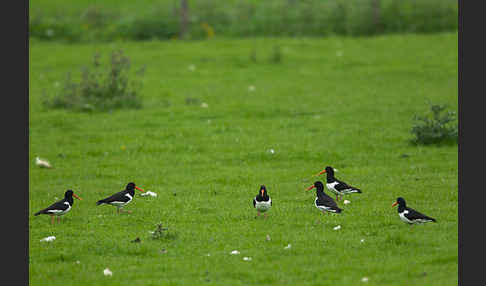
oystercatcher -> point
(410, 215)
(122, 198)
(324, 202)
(61, 207)
(339, 188)
(262, 202)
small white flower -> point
(107, 272)
(191, 67)
(208, 254)
(268, 237)
(78, 262)
(364, 279)
(204, 105)
(49, 238)
(271, 151)
(346, 202)
(337, 227)
(234, 252)
(251, 88)
(288, 246)
(362, 240)
(247, 258)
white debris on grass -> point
(247, 258)
(234, 252)
(346, 202)
(49, 238)
(42, 163)
(148, 193)
(362, 240)
(271, 151)
(337, 227)
(288, 246)
(364, 279)
(107, 272)
(268, 237)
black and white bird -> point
(120, 199)
(409, 215)
(61, 207)
(262, 202)
(339, 188)
(324, 202)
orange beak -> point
(76, 196)
(261, 191)
(394, 204)
(139, 189)
(310, 188)
(320, 173)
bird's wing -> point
(118, 197)
(413, 215)
(341, 186)
(326, 201)
(55, 207)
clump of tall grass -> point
(438, 127)
(100, 88)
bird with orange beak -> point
(262, 202)
(339, 188)
(323, 202)
(61, 207)
(120, 199)
(409, 215)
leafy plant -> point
(436, 128)
(100, 89)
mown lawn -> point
(344, 102)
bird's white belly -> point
(331, 188)
(263, 206)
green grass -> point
(347, 103)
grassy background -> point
(148, 19)
(343, 102)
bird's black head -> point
(329, 171)
(130, 186)
(318, 185)
(263, 190)
(400, 202)
(69, 194)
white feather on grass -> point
(42, 163)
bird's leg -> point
(337, 198)
(58, 219)
(265, 215)
(52, 219)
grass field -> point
(344, 102)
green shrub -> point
(100, 89)
(249, 18)
(437, 128)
